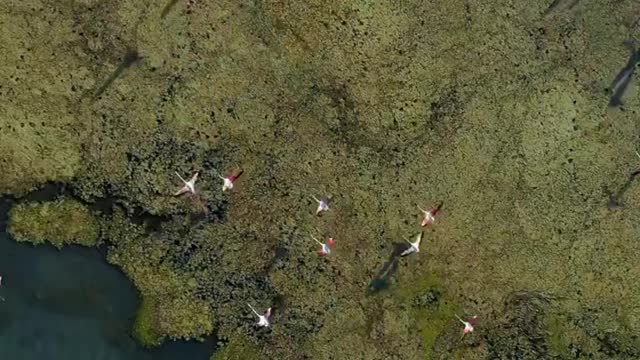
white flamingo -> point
(263, 320)
(415, 246)
(323, 205)
(189, 186)
(429, 215)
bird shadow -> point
(130, 57)
(623, 78)
(167, 8)
(560, 5)
(279, 304)
(615, 199)
(382, 279)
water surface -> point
(71, 304)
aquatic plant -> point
(170, 305)
(58, 222)
(146, 328)
(237, 348)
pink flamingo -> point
(325, 249)
(227, 182)
(430, 215)
(468, 326)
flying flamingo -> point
(263, 320)
(189, 186)
(415, 246)
(323, 205)
(229, 180)
(430, 215)
(325, 248)
(468, 326)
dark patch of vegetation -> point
(446, 111)
(520, 334)
(428, 298)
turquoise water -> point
(71, 304)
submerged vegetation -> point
(57, 222)
(146, 328)
(497, 109)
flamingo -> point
(227, 182)
(189, 186)
(430, 215)
(415, 246)
(263, 320)
(325, 248)
(468, 326)
(323, 205)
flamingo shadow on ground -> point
(382, 279)
(279, 304)
(167, 8)
(615, 199)
(130, 57)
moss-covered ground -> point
(494, 108)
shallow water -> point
(72, 304)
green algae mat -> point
(498, 109)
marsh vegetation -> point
(498, 109)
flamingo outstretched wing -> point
(316, 240)
(183, 190)
(418, 239)
(254, 310)
(183, 180)
(410, 250)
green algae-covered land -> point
(496, 108)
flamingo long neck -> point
(436, 210)
(233, 178)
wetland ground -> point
(499, 109)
